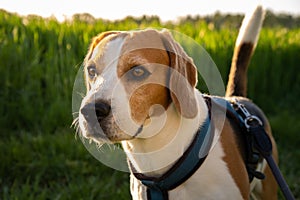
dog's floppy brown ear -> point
(182, 78)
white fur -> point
(109, 73)
(251, 26)
(103, 87)
(153, 156)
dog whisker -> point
(99, 145)
(78, 132)
(75, 125)
(111, 147)
(75, 122)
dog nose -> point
(98, 110)
(102, 110)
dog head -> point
(132, 78)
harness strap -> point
(261, 142)
(234, 111)
(159, 190)
(184, 168)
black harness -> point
(258, 146)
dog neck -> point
(153, 156)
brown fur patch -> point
(237, 81)
(145, 49)
(234, 159)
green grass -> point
(39, 58)
(55, 166)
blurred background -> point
(43, 44)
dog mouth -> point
(91, 129)
(106, 130)
(98, 122)
(140, 129)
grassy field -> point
(41, 158)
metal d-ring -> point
(250, 119)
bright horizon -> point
(166, 10)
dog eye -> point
(139, 73)
(92, 71)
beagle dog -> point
(141, 92)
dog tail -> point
(244, 48)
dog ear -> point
(96, 40)
(182, 77)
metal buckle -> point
(252, 120)
(249, 119)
